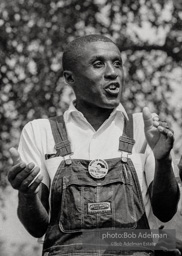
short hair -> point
(75, 49)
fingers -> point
(147, 117)
(151, 120)
(32, 183)
(18, 165)
(35, 185)
(25, 178)
(15, 170)
(163, 127)
(166, 131)
(15, 155)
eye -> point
(117, 63)
(98, 64)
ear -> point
(69, 77)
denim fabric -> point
(98, 254)
(81, 204)
(74, 189)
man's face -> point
(99, 75)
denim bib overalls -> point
(81, 203)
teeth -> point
(112, 87)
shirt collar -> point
(120, 110)
(72, 110)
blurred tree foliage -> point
(22, 249)
(33, 35)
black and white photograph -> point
(90, 127)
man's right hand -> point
(25, 178)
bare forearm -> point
(165, 191)
(32, 214)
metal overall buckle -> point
(125, 146)
(67, 159)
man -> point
(75, 174)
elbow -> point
(163, 216)
(164, 213)
(36, 234)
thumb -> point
(15, 156)
(147, 118)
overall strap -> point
(128, 138)
(126, 141)
(128, 126)
(62, 144)
(129, 132)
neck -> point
(96, 116)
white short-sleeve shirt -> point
(37, 140)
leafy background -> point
(33, 35)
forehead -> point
(99, 48)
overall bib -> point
(81, 203)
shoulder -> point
(38, 133)
(37, 124)
(37, 128)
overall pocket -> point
(89, 204)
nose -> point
(110, 72)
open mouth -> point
(113, 89)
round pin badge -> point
(98, 168)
